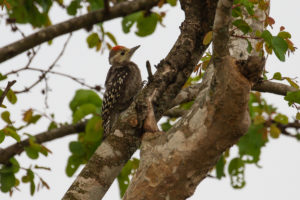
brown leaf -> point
(27, 115)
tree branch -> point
(17, 148)
(273, 87)
(172, 164)
(41, 77)
(76, 23)
(172, 73)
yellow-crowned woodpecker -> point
(122, 83)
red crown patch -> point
(118, 47)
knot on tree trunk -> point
(252, 68)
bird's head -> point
(121, 54)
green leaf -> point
(220, 167)
(76, 148)
(280, 47)
(6, 117)
(282, 119)
(25, 179)
(92, 40)
(123, 178)
(248, 5)
(52, 125)
(249, 47)
(84, 110)
(96, 4)
(72, 8)
(32, 188)
(237, 12)
(30, 174)
(7, 181)
(146, 25)
(2, 77)
(129, 20)
(251, 143)
(35, 118)
(297, 116)
(274, 131)
(293, 97)
(277, 76)
(172, 2)
(10, 131)
(292, 83)
(284, 35)
(112, 38)
(267, 36)
(93, 129)
(236, 171)
(166, 126)
(31, 152)
(13, 167)
(73, 164)
(186, 105)
(2, 136)
(12, 98)
(242, 25)
(85, 97)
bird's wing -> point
(114, 87)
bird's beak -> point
(132, 50)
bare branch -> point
(8, 86)
(17, 148)
(76, 23)
(150, 75)
(273, 87)
(190, 93)
(76, 79)
(48, 70)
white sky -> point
(279, 177)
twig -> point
(150, 75)
(286, 133)
(8, 86)
(273, 87)
(81, 82)
(47, 89)
(245, 37)
(49, 68)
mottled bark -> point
(76, 23)
(173, 163)
(172, 73)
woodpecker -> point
(122, 83)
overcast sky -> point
(279, 177)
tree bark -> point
(172, 73)
(173, 163)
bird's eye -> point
(122, 53)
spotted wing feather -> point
(114, 87)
